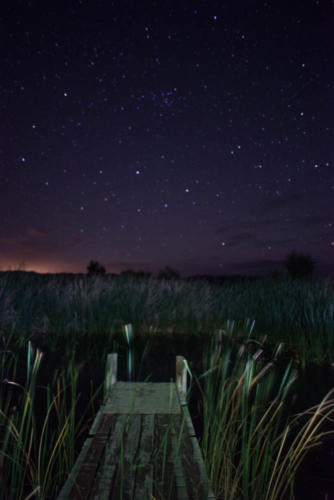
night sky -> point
(194, 134)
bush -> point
(95, 269)
(299, 265)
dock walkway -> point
(141, 446)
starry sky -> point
(194, 134)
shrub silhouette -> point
(299, 265)
(168, 274)
(95, 269)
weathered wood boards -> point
(143, 397)
(141, 445)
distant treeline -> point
(297, 265)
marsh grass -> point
(86, 313)
(37, 454)
(248, 439)
(251, 448)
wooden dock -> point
(141, 446)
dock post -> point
(181, 378)
(111, 372)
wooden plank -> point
(181, 485)
(96, 421)
(111, 373)
(144, 467)
(92, 458)
(164, 485)
(197, 484)
(188, 421)
(143, 397)
(125, 480)
(67, 489)
(197, 453)
(86, 477)
(181, 378)
(142, 445)
(108, 470)
(104, 426)
(207, 491)
(134, 477)
(105, 482)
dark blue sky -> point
(197, 135)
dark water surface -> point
(315, 479)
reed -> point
(37, 455)
(128, 333)
(249, 441)
(252, 449)
(85, 313)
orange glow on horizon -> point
(51, 268)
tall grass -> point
(37, 444)
(88, 311)
(252, 448)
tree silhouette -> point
(168, 274)
(299, 265)
(95, 269)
